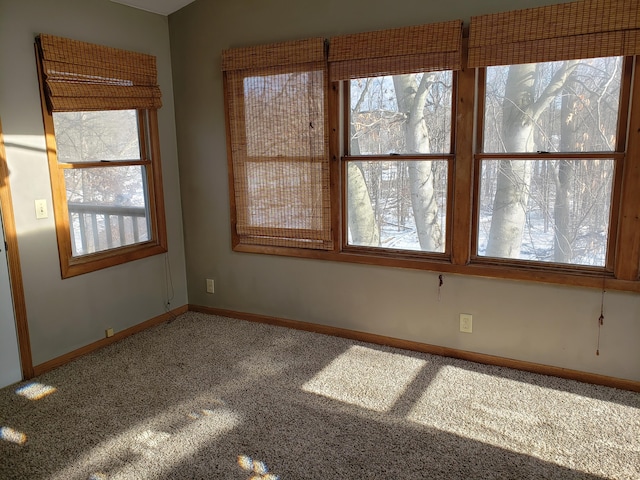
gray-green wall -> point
(64, 315)
(529, 321)
(547, 324)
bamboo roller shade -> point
(82, 76)
(276, 97)
(421, 48)
(311, 50)
(583, 29)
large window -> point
(552, 161)
(398, 161)
(276, 98)
(103, 154)
(398, 136)
(550, 148)
(512, 151)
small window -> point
(100, 116)
(105, 178)
(550, 151)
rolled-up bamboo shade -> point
(276, 110)
(80, 76)
(582, 29)
(275, 54)
(421, 48)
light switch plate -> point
(41, 209)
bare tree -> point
(396, 116)
(364, 228)
(521, 111)
(411, 98)
(562, 246)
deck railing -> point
(96, 228)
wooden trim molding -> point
(68, 357)
(560, 372)
(15, 271)
(149, 143)
(628, 265)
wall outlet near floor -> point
(108, 332)
(210, 287)
(466, 323)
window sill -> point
(98, 261)
(477, 267)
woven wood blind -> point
(276, 109)
(81, 76)
(583, 29)
(397, 51)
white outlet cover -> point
(466, 323)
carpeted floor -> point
(207, 397)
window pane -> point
(95, 136)
(569, 106)
(279, 142)
(546, 210)
(401, 114)
(284, 194)
(108, 207)
(397, 204)
(284, 115)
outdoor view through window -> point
(555, 208)
(107, 196)
(399, 202)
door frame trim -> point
(15, 272)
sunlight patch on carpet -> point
(256, 469)
(12, 436)
(99, 476)
(156, 446)
(35, 391)
(366, 377)
(519, 416)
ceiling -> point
(163, 7)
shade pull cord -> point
(601, 318)
(168, 286)
(440, 283)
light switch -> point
(41, 209)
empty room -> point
(298, 240)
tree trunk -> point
(562, 249)
(512, 184)
(411, 98)
(361, 218)
(362, 223)
(520, 112)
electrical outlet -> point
(466, 323)
(210, 286)
(108, 332)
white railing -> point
(96, 228)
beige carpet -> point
(207, 397)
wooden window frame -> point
(71, 265)
(304, 56)
(617, 155)
(346, 157)
(622, 269)
(89, 85)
